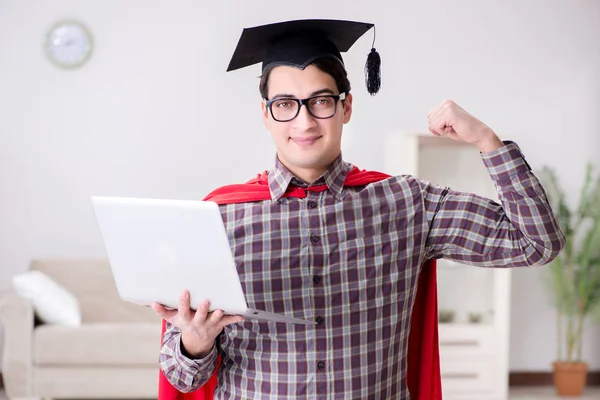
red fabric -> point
(423, 372)
(257, 189)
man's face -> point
(306, 143)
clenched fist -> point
(450, 120)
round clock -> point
(69, 44)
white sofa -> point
(113, 353)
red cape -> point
(423, 370)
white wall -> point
(155, 114)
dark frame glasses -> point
(300, 102)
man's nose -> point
(304, 119)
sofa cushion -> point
(92, 283)
(52, 302)
(98, 344)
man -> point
(318, 245)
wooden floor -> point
(548, 393)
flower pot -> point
(446, 316)
(569, 378)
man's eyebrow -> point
(291, 96)
(322, 91)
(283, 96)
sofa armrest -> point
(17, 316)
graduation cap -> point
(298, 43)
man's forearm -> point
(521, 231)
(537, 232)
(489, 143)
(186, 374)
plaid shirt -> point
(349, 258)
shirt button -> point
(314, 238)
(321, 365)
(319, 320)
(312, 204)
(317, 279)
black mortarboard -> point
(300, 42)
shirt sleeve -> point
(519, 230)
(185, 374)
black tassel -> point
(373, 72)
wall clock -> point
(69, 44)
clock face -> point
(69, 44)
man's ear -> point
(347, 108)
(265, 115)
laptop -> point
(157, 248)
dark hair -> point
(328, 65)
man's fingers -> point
(437, 121)
(201, 312)
(434, 110)
(163, 312)
(184, 305)
(438, 127)
(229, 319)
(215, 316)
(449, 131)
(158, 308)
(219, 319)
(436, 114)
(434, 132)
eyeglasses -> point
(321, 107)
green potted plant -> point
(574, 277)
(446, 316)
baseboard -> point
(545, 378)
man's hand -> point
(449, 119)
(198, 329)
